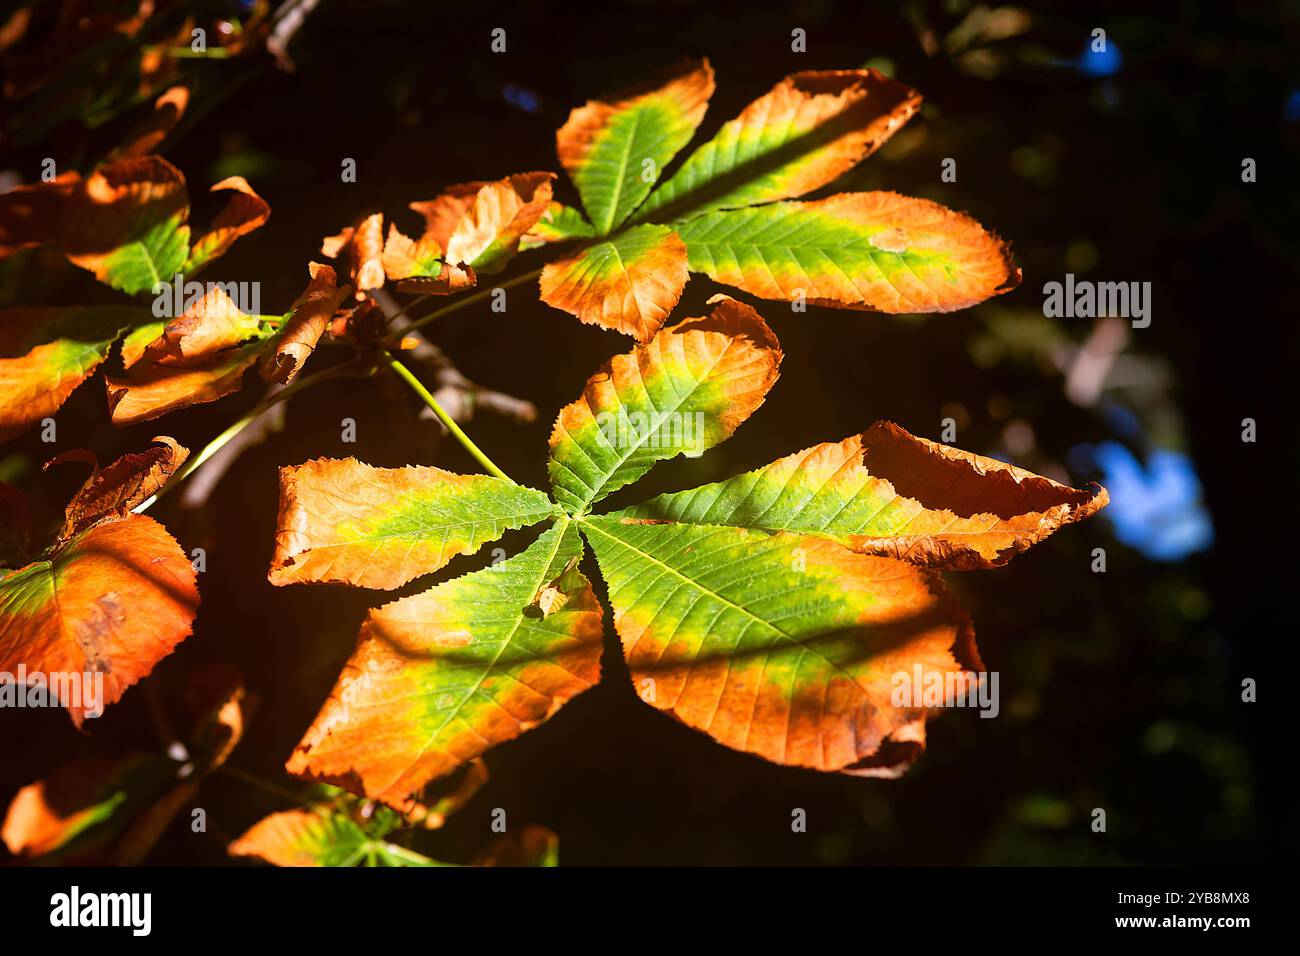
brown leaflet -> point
(481, 224)
(627, 289)
(403, 255)
(112, 493)
(407, 261)
(208, 327)
(152, 390)
(363, 247)
(1014, 508)
(310, 316)
(112, 601)
(244, 212)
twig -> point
(289, 18)
(418, 387)
(457, 394)
(214, 446)
(461, 302)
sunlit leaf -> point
(362, 246)
(45, 353)
(779, 645)
(112, 601)
(321, 837)
(629, 283)
(615, 148)
(244, 212)
(877, 250)
(683, 392)
(890, 493)
(151, 390)
(125, 223)
(380, 527)
(440, 677)
(810, 128)
(208, 327)
(559, 223)
(405, 258)
(480, 225)
(308, 319)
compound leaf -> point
(782, 645)
(810, 128)
(440, 677)
(607, 145)
(684, 391)
(890, 493)
(877, 250)
(629, 283)
(380, 527)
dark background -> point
(1119, 690)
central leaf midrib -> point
(612, 212)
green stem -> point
(214, 446)
(256, 781)
(418, 387)
(186, 53)
(463, 302)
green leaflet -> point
(381, 527)
(45, 353)
(810, 128)
(612, 180)
(615, 150)
(629, 282)
(558, 224)
(326, 835)
(891, 493)
(154, 256)
(442, 676)
(783, 646)
(875, 250)
(683, 392)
